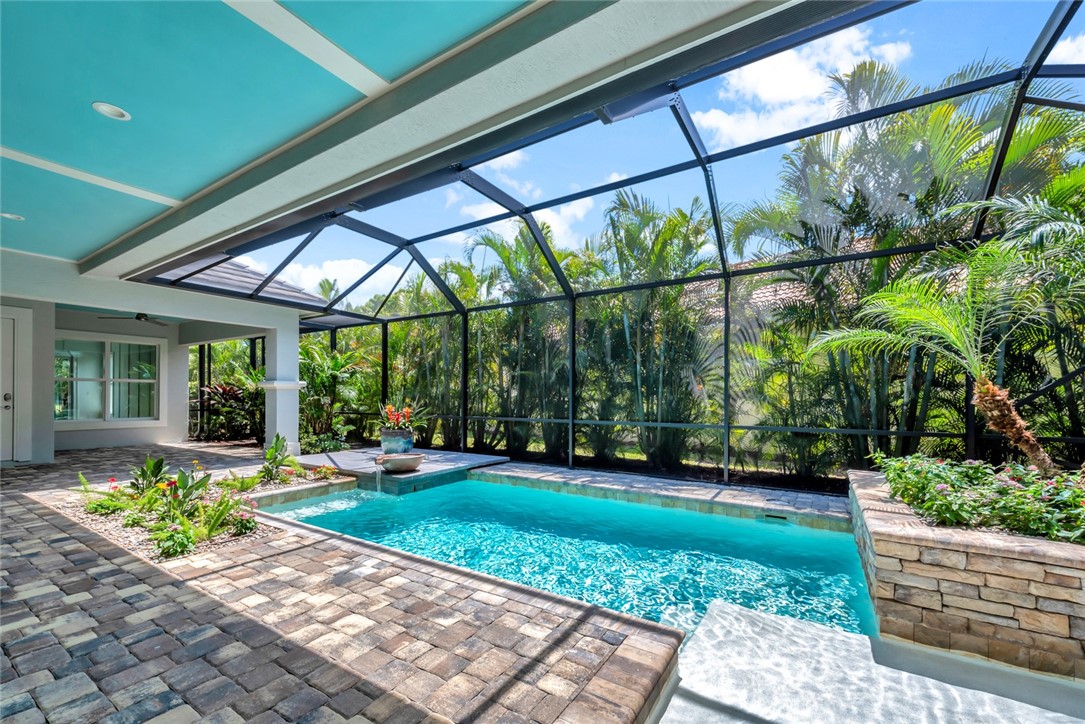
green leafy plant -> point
(148, 475)
(240, 484)
(106, 505)
(243, 523)
(324, 442)
(134, 520)
(215, 517)
(182, 494)
(1013, 497)
(174, 539)
(276, 457)
(324, 472)
(100, 502)
(959, 310)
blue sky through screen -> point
(926, 42)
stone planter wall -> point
(1010, 598)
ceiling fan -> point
(141, 317)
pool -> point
(662, 564)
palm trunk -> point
(998, 408)
(906, 403)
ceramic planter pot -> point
(396, 441)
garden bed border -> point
(1009, 598)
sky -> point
(926, 41)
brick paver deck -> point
(296, 626)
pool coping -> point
(812, 510)
(656, 678)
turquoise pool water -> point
(657, 563)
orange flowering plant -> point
(404, 418)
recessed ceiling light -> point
(111, 111)
(12, 217)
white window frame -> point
(109, 423)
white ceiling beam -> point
(296, 33)
(46, 165)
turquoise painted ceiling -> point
(64, 217)
(208, 91)
(384, 35)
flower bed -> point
(1015, 599)
(161, 514)
(1012, 497)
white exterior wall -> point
(172, 425)
(40, 283)
(39, 386)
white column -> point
(281, 386)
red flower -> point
(112, 480)
(172, 484)
(176, 496)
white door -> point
(7, 388)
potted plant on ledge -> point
(397, 428)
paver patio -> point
(297, 626)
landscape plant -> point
(178, 511)
(148, 475)
(1012, 497)
(276, 459)
(328, 376)
(658, 357)
(961, 307)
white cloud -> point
(1070, 51)
(251, 263)
(504, 163)
(453, 196)
(506, 228)
(789, 90)
(482, 211)
(526, 190)
(615, 176)
(345, 272)
(457, 239)
(561, 221)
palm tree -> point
(328, 289)
(960, 310)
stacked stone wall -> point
(1010, 598)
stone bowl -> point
(400, 462)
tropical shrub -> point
(1013, 497)
(324, 472)
(150, 474)
(104, 503)
(134, 520)
(213, 518)
(276, 458)
(174, 539)
(240, 484)
(243, 523)
(105, 506)
(328, 377)
(181, 496)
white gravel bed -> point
(72, 503)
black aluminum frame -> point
(667, 95)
